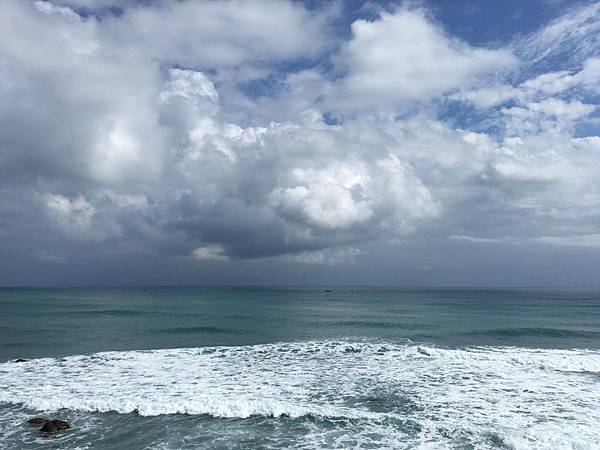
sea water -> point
(301, 368)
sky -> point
(418, 143)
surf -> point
(516, 393)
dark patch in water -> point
(494, 440)
(194, 330)
(384, 403)
(120, 312)
(541, 332)
(100, 312)
(16, 344)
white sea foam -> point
(522, 398)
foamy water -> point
(332, 393)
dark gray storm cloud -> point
(136, 146)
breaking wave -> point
(519, 397)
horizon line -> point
(306, 286)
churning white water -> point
(385, 394)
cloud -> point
(591, 241)
(209, 252)
(546, 115)
(255, 130)
(546, 85)
(88, 110)
(402, 56)
(218, 35)
(565, 42)
(588, 241)
(478, 240)
(191, 87)
(75, 216)
(330, 257)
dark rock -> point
(37, 421)
(52, 426)
(20, 360)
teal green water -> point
(301, 368)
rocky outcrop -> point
(52, 426)
(49, 425)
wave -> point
(517, 393)
(539, 332)
(374, 324)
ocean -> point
(170, 368)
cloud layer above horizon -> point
(222, 136)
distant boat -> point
(329, 291)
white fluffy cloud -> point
(402, 56)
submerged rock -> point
(52, 426)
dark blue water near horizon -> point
(243, 367)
